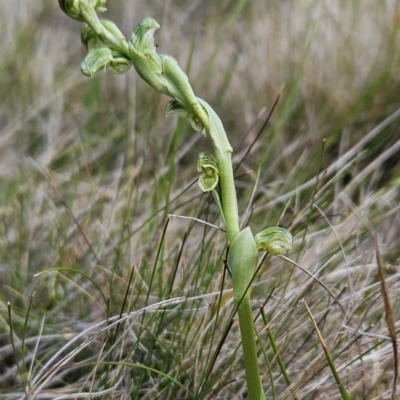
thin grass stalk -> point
(343, 391)
(277, 354)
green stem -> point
(243, 252)
(242, 260)
(228, 193)
(246, 324)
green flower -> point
(275, 240)
(102, 58)
(160, 71)
(144, 57)
(209, 178)
(174, 107)
(104, 52)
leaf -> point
(242, 261)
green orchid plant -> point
(108, 48)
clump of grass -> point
(90, 144)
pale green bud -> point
(177, 82)
(207, 165)
(90, 17)
(114, 36)
(142, 42)
(275, 240)
(103, 52)
(209, 178)
(73, 7)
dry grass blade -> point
(388, 315)
(12, 335)
(124, 301)
(217, 351)
(367, 334)
(317, 280)
(197, 220)
(336, 165)
(277, 354)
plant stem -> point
(245, 262)
(246, 324)
(228, 194)
(242, 260)
(243, 254)
(223, 150)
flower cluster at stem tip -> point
(108, 48)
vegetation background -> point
(90, 169)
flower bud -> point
(178, 85)
(72, 8)
(111, 36)
(95, 60)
